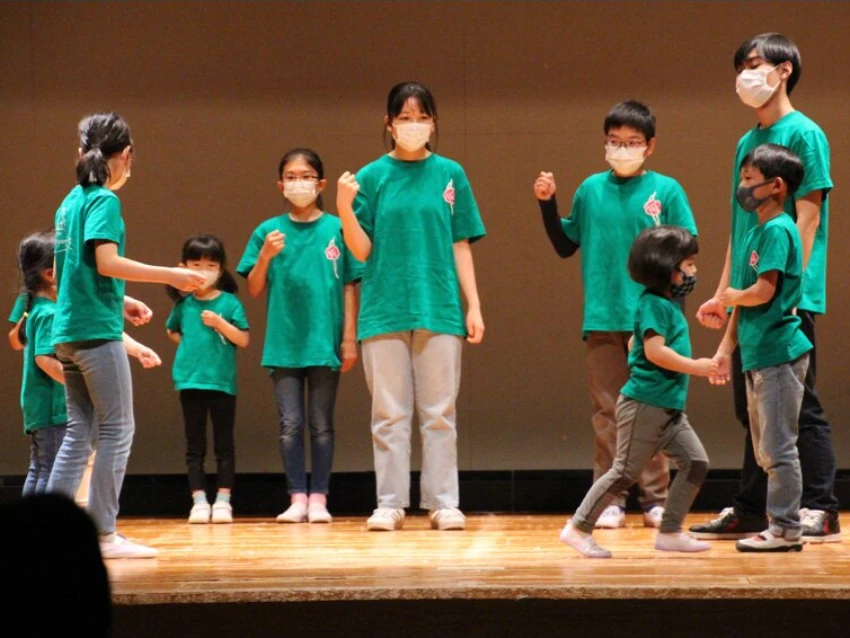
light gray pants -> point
(643, 431)
(405, 370)
(774, 397)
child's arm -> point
(111, 264)
(147, 357)
(51, 367)
(466, 276)
(712, 314)
(544, 191)
(669, 359)
(136, 312)
(349, 330)
(808, 220)
(240, 338)
(723, 357)
(759, 293)
(14, 341)
(174, 336)
(274, 242)
(356, 239)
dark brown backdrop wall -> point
(216, 92)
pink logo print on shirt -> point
(449, 195)
(754, 261)
(332, 253)
(652, 207)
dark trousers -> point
(814, 442)
(221, 408)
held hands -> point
(346, 190)
(186, 280)
(730, 297)
(148, 358)
(723, 372)
(712, 314)
(474, 325)
(272, 246)
(136, 312)
(705, 367)
(544, 186)
(349, 355)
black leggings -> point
(222, 410)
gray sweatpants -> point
(642, 432)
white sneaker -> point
(652, 517)
(222, 512)
(120, 547)
(583, 543)
(447, 518)
(612, 517)
(318, 514)
(679, 542)
(767, 542)
(295, 513)
(385, 519)
(200, 513)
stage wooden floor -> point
(497, 557)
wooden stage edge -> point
(498, 557)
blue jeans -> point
(99, 394)
(320, 384)
(774, 397)
(45, 445)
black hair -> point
(398, 97)
(35, 255)
(631, 114)
(210, 247)
(312, 158)
(657, 252)
(773, 161)
(101, 136)
(774, 48)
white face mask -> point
(752, 87)
(212, 277)
(625, 160)
(300, 192)
(412, 136)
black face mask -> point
(747, 200)
(686, 287)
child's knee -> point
(697, 472)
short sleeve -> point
(655, 316)
(466, 218)
(572, 224)
(814, 153)
(362, 206)
(175, 319)
(352, 268)
(252, 252)
(103, 220)
(238, 317)
(679, 211)
(773, 250)
(18, 309)
(42, 333)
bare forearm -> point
(238, 337)
(174, 336)
(356, 239)
(725, 276)
(132, 346)
(730, 338)
(257, 277)
(14, 341)
(130, 270)
(669, 359)
(352, 304)
(51, 367)
(466, 273)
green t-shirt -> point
(206, 359)
(608, 214)
(806, 139)
(414, 213)
(42, 399)
(304, 291)
(647, 382)
(770, 334)
(90, 306)
(18, 309)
